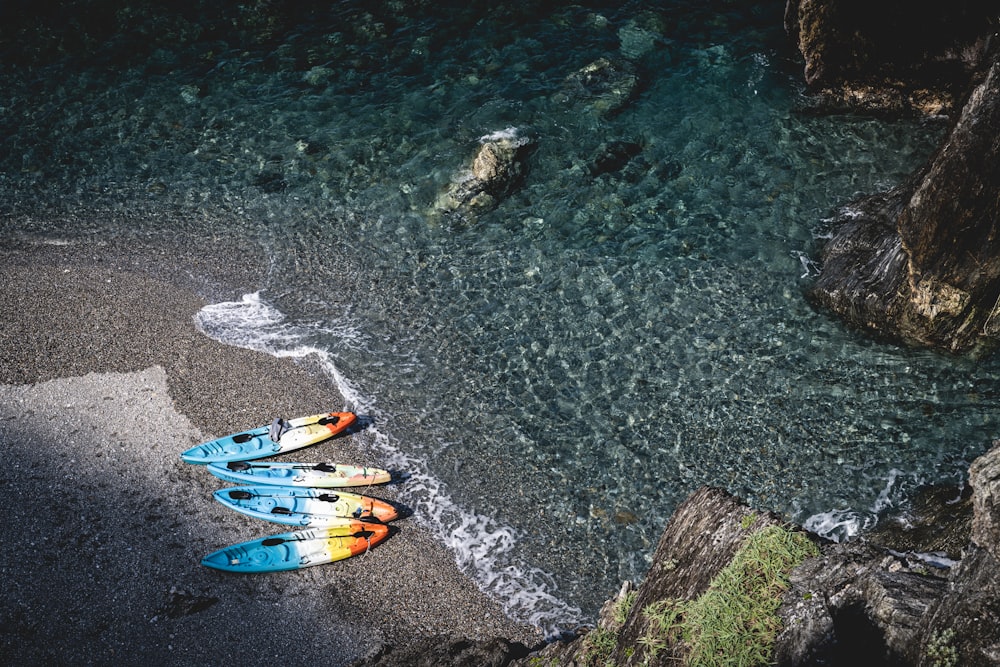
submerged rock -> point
(612, 156)
(497, 169)
(602, 87)
(641, 34)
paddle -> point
(240, 466)
(239, 494)
(275, 541)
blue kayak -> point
(280, 437)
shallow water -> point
(558, 374)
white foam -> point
(839, 525)
(842, 525)
(253, 323)
(484, 548)
(506, 134)
(884, 500)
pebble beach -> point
(104, 380)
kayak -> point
(280, 437)
(296, 506)
(317, 475)
(299, 549)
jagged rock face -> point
(858, 601)
(965, 621)
(890, 55)
(854, 602)
(922, 263)
(950, 225)
(984, 478)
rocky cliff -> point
(919, 264)
(891, 56)
(922, 263)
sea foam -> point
(843, 525)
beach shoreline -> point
(104, 380)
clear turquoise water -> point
(559, 374)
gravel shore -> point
(104, 380)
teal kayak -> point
(297, 506)
(299, 549)
(280, 437)
(317, 475)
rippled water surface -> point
(558, 373)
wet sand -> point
(104, 380)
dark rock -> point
(893, 55)
(451, 651)
(937, 523)
(984, 478)
(603, 87)
(862, 602)
(921, 264)
(853, 602)
(612, 156)
(270, 182)
(964, 624)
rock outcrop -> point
(496, 170)
(701, 538)
(862, 602)
(890, 56)
(984, 478)
(859, 601)
(921, 263)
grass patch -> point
(600, 642)
(735, 621)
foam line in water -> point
(483, 547)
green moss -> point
(940, 652)
(600, 642)
(599, 645)
(623, 607)
(735, 621)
